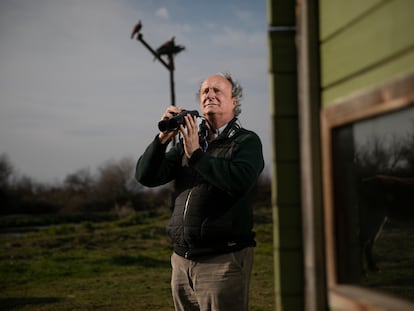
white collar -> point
(220, 130)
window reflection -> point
(373, 168)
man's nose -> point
(210, 93)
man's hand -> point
(190, 135)
(168, 114)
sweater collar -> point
(230, 129)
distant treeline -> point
(111, 189)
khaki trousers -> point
(217, 283)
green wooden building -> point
(342, 101)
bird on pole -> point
(136, 30)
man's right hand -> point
(165, 137)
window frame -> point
(387, 98)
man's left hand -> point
(190, 135)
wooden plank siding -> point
(287, 219)
(364, 44)
(338, 14)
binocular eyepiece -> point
(174, 123)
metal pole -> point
(141, 38)
(172, 86)
(169, 49)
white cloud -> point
(162, 12)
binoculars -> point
(174, 123)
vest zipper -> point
(186, 204)
(185, 214)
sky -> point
(76, 91)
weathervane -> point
(168, 49)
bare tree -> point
(80, 181)
(113, 179)
(6, 170)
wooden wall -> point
(288, 248)
(364, 44)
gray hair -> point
(236, 91)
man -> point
(212, 219)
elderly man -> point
(215, 173)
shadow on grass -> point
(143, 261)
(15, 303)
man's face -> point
(216, 99)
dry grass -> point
(121, 265)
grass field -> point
(394, 254)
(118, 265)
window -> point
(368, 153)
